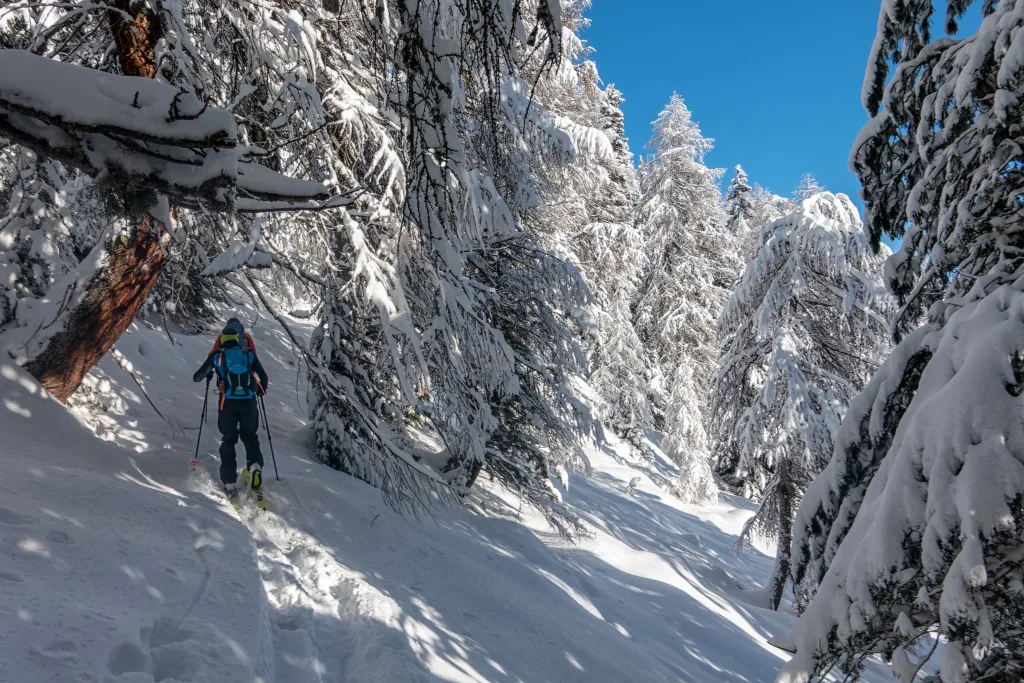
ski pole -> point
(202, 419)
(266, 425)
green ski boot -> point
(253, 478)
(231, 491)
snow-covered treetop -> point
(677, 134)
(823, 238)
(807, 188)
(941, 160)
(738, 202)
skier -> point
(240, 379)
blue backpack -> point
(234, 368)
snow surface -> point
(117, 565)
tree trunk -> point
(134, 39)
(116, 293)
(786, 493)
(113, 299)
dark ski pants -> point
(238, 418)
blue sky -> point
(776, 84)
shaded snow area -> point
(117, 564)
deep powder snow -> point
(117, 564)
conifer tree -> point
(587, 207)
(807, 188)
(765, 207)
(691, 260)
(739, 206)
(803, 331)
(912, 535)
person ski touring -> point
(240, 379)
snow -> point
(264, 182)
(162, 137)
(97, 101)
(237, 254)
(117, 565)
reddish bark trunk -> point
(134, 40)
(117, 292)
(114, 298)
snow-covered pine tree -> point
(691, 260)
(586, 216)
(739, 206)
(365, 370)
(768, 207)
(765, 207)
(913, 534)
(612, 259)
(804, 330)
(807, 188)
(496, 310)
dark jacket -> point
(208, 369)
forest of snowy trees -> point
(446, 185)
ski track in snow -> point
(119, 566)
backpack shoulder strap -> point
(219, 362)
(249, 343)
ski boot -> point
(231, 491)
(253, 477)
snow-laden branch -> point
(141, 132)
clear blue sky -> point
(776, 83)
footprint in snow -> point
(161, 653)
(12, 518)
(10, 576)
(60, 538)
(165, 631)
(128, 658)
(63, 650)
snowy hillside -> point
(117, 565)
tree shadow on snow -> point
(464, 597)
(485, 597)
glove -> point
(260, 391)
(209, 375)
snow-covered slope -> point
(118, 565)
